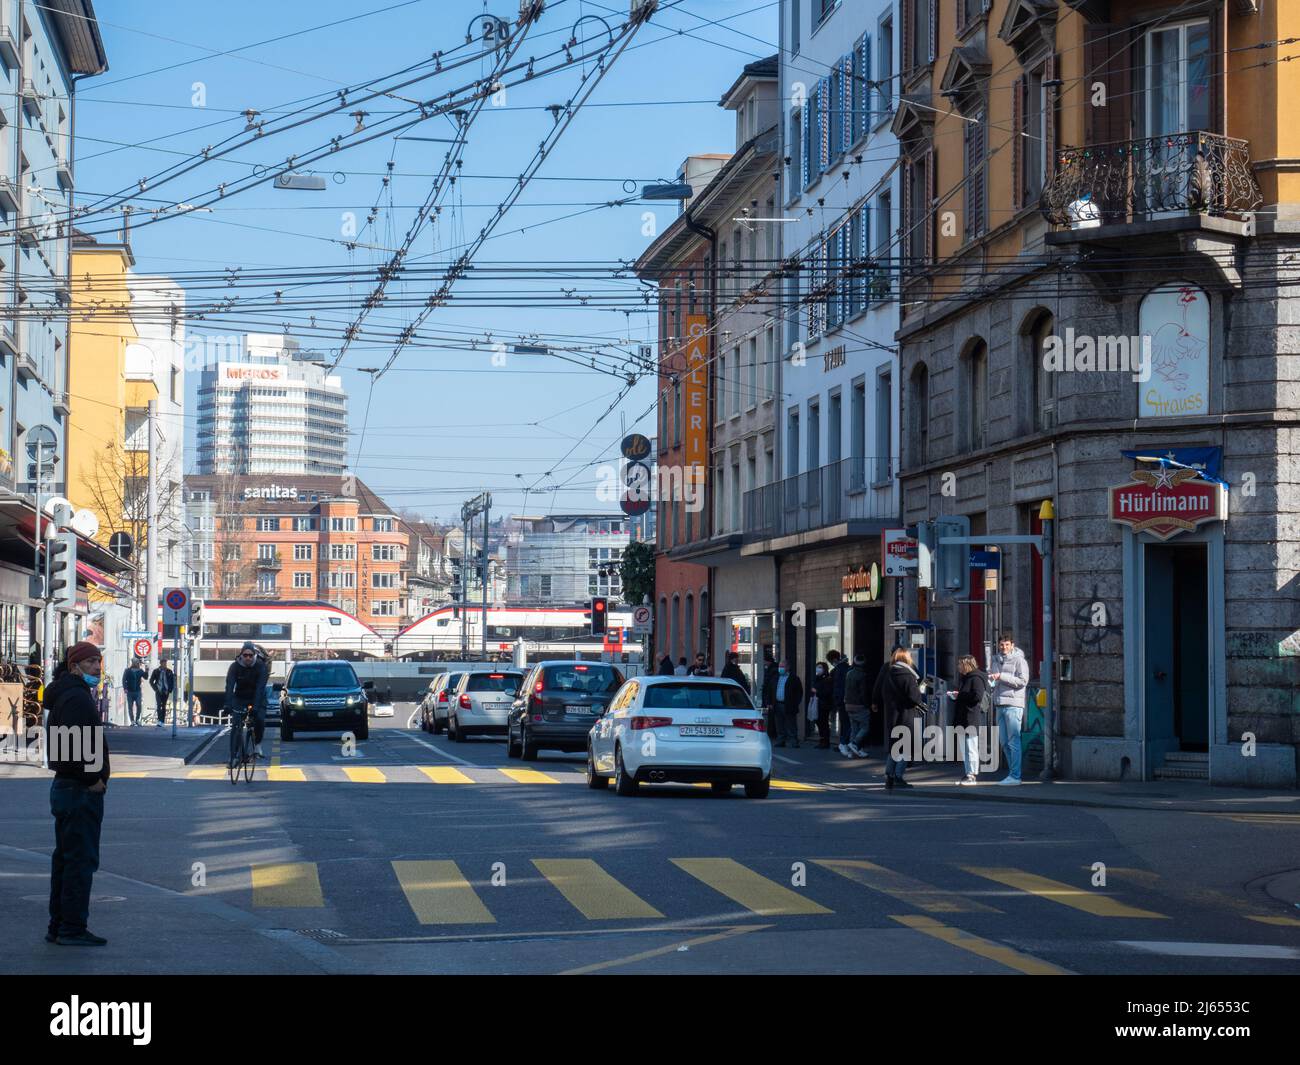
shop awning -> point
(90, 575)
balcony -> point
(30, 97)
(271, 563)
(850, 498)
(10, 197)
(8, 43)
(1175, 176)
(62, 404)
(26, 367)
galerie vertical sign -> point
(696, 394)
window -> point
(751, 373)
(977, 390)
(735, 497)
(343, 524)
(881, 281)
(796, 27)
(1178, 97)
(769, 364)
(737, 375)
(918, 416)
(383, 608)
(302, 552)
(304, 524)
(383, 553)
(968, 11)
(266, 581)
(266, 551)
(721, 377)
(302, 580)
(973, 135)
(794, 179)
(384, 580)
(383, 524)
(343, 552)
(885, 68)
(814, 435)
(918, 34)
(884, 427)
(342, 578)
(919, 218)
(792, 442)
(268, 524)
(1043, 397)
(858, 434)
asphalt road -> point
(423, 855)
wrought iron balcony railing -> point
(1129, 181)
(853, 489)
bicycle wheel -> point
(250, 755)
(236, 750)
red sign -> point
(613, 640)
(1167, 502)
(142, 648)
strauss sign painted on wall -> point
(1167, 502)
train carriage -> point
(547, 633)
(311, 629)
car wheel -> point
(512, 748)
(362, 731)
(623, 783)
(453, 730)
(594, 780)
(758, 789)
(527, 748)
(437, 727)
(721, 787)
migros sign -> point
(238, 371)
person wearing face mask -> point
(81, 772)
(823, 691)
(789, 699)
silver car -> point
(480, 703)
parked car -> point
(556, 705)
(481, 702)
(433, 717)
(324, 697)
(682, 729)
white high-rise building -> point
(270, 409)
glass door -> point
(1178, 98)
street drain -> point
(321, 934)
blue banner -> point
(1207, 460)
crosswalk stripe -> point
(743, 885)
(208, 772)
(129, 776)
(364, 774)
(1066, 894)
(288, 885)
(274, 772)
(1275, 919)
(445, 774)
(528, 776)
(1013, 959)
(904, 888)
(794, 785)
(592, 891)
(438, 893)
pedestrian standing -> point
(839, 665)
(789, 700)
(973, 704)
(1010, 677)
(682, 669)
(701, 667)
(771, 676)
(163, 682)
(857, 704)
(665, 666)
(81, 772)
(732, 671)
(822, 693)
(902, 701)
(132, 680)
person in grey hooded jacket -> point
(1009, 674)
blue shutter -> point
(866, 115)
(823, 125)
(848, 113)
(805, 171)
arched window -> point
(918, 415)
(675, 629)
(688, 633)
(1042, 394)
(662, 627)
(976, 373)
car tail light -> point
(537, 688)
(464, 703)
(537, 717)
(649, 722)
(755, 724)
(442, 697)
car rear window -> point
(335, 675)
(493, 682)
(582, 678)
(696, 696)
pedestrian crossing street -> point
(417, 774)
(444, 892)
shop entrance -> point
(869, 640)
(1176, 686)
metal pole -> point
(176, 657)
(151, 526)
(487, 511)
(464, 584)
(1045, 669)
(39, 581)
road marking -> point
(129, 776)
(1284, 922)
(783, 758)
(364, 775)
(445, 774)
(1067, 895)
(208, 772)
(290, 885)
(592, 891)
(671, 948)
(278, 773)
(528, 776)
(439, 751)
(438, 893)
(1012, 959)
(1279, 820)
(795, 785)
(904, 888)
(756, 893)
(1211, 950)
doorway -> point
(869, 641)
(1176, 649)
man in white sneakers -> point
(1009, 674)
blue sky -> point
(444, 422)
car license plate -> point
(324, 713)
(699, 730)
(578, 708)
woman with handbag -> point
(974, 701)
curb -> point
(1151, 805)
(202, 748)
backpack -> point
(986, 699)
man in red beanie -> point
(81, 774)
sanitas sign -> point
(1167, 502)
(270, 491)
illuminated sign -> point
(861, 584)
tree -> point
(637, 572)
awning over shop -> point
(93, 576)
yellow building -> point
(110, 385)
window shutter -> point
(806, 154)
(824, 124)
(1018, 120)
(1107, 59)
(905, 38)
(931, 199)
(934, 30)
(1049, 118)
(848, 112)
(974, 177)
(866, 97)
(906, 244)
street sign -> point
(121, 545)
(985, 560)
(899, 553)
(641, 620)
(142, 648)
(176, 606)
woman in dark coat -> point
(972, 695)
(665, 666)
(902, 701)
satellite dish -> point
(85, 524)
(49, 507)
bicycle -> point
(243, 745)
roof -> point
(285, 493)
(759, 70)
(78, 29)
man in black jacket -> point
(163, 682)
(246, 681)
(78, 754)
(732, 671)
(839, 674)
(789, 701)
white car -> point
(683, 729)
(481, 703)
(433, 710)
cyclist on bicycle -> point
(246, 681)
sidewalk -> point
(939, 780)
(152, 741)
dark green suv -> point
(324, 697)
